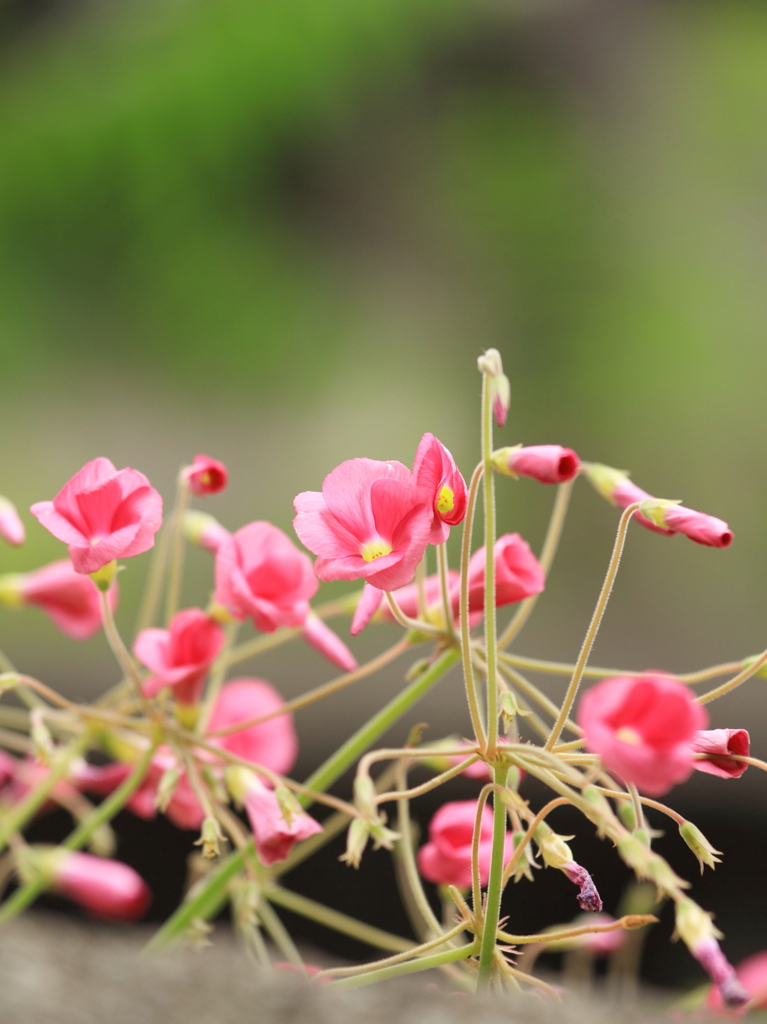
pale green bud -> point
(699, 845)
(210, 836)
(365, 797)
(356, 841)
(166, 788)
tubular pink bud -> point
(322, 638)
(367, 606)
(67, 597)
(205, 475)
(546, 463)
(719, 745)
(11, 526)
(491, 365)
(436, 473)
(181, 655)
(102, 514)
(615, 486)
(698, 526)
(107, 888)
(643, 728)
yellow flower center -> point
(629, 736)
(375, 549)
(445, 500)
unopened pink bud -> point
(107, 888)
(67, 597)
(615, 486)
(11, 527)
(322, 638)
(367, 606)
(204, 530)
(205, 475)
(698, 526)
(491, 365)
(719, 745)
(546, 463)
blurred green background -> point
(280, 234)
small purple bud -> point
(588, 898)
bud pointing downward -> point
(11, 527)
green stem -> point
(106, 810)
(468, 665)
(177, 543)
(591, 632)
(415, 625)
(731, 684)
(420, 576)
(491, 647)
(494, 884)
(549, 550)
(15, 819)
(279, 934)
(153, 588)
(447, 609)
(120, 651)
(213, 892)
(563, 668)
(409, 876)
(338, 922)
(423, 963)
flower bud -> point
(11, 527)
(106, 888)
(546, 463)
(526, 862)
(699, 845)
(356, 841)
(553, 848)
(209, 839)
(382, 836)
(204, 530)
(491, 365)
(698, 526)
(205, 475)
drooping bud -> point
(210, 836)
(365, 797)
(491, 365)
(695, 928)
(356, 841)
(525, 864)
(204, 530)
(699, 845)
(546, 463)
(698, 526)
(11, 527)
(615, 486)
(205, 475)
(382, 836)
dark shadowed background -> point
(280, 234)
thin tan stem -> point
(741, 677)
(520, 848)
(466, 652)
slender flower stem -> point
(150, 601)
(423, 963)
(321, 691)
(106, 810)
(519, 849)
(476, 885)
(120, 651)
(415, 625)
(447, 609)
(18, 816)
(29, 698)
(750, 760)
(488, 488)
(628, 922)
(177, 544)
(279, 934)
(636, 803)
(532, 691)
(741, 677)
(468, 665)
(591, 632)
(409, 872)
(13, 680)
(217, 677)
(338, 922)
(615, 794)
(411, 951)
(426, 787)
(494, 883)
(549, 550)
(562, 668)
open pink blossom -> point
(518, 573)
(698, 526)
(371, 521)
(107, 888)
(275, 833)
(205, 475)
(435, 471)
(273, 743)
(261, 574)
(446, 858)
(102, 514)
(70, 599)
(751, 973)
(11, 527)
(180, 656)
(719, 745)
(546, 463)
(643, 728)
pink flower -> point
(11, 527)
(273, 743)
(108, 889)
(371, 521)
(367, 606)
(435, 471)
(322, 638)
(518, 574)
(180, 656)
(751, 973)
(546, 463)
(205, 475)
(70, 599)
(274, 835)
(446, 858)
(261, 573)
(718, 745)
(643, 728)
(103, 514)
(698, 526)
